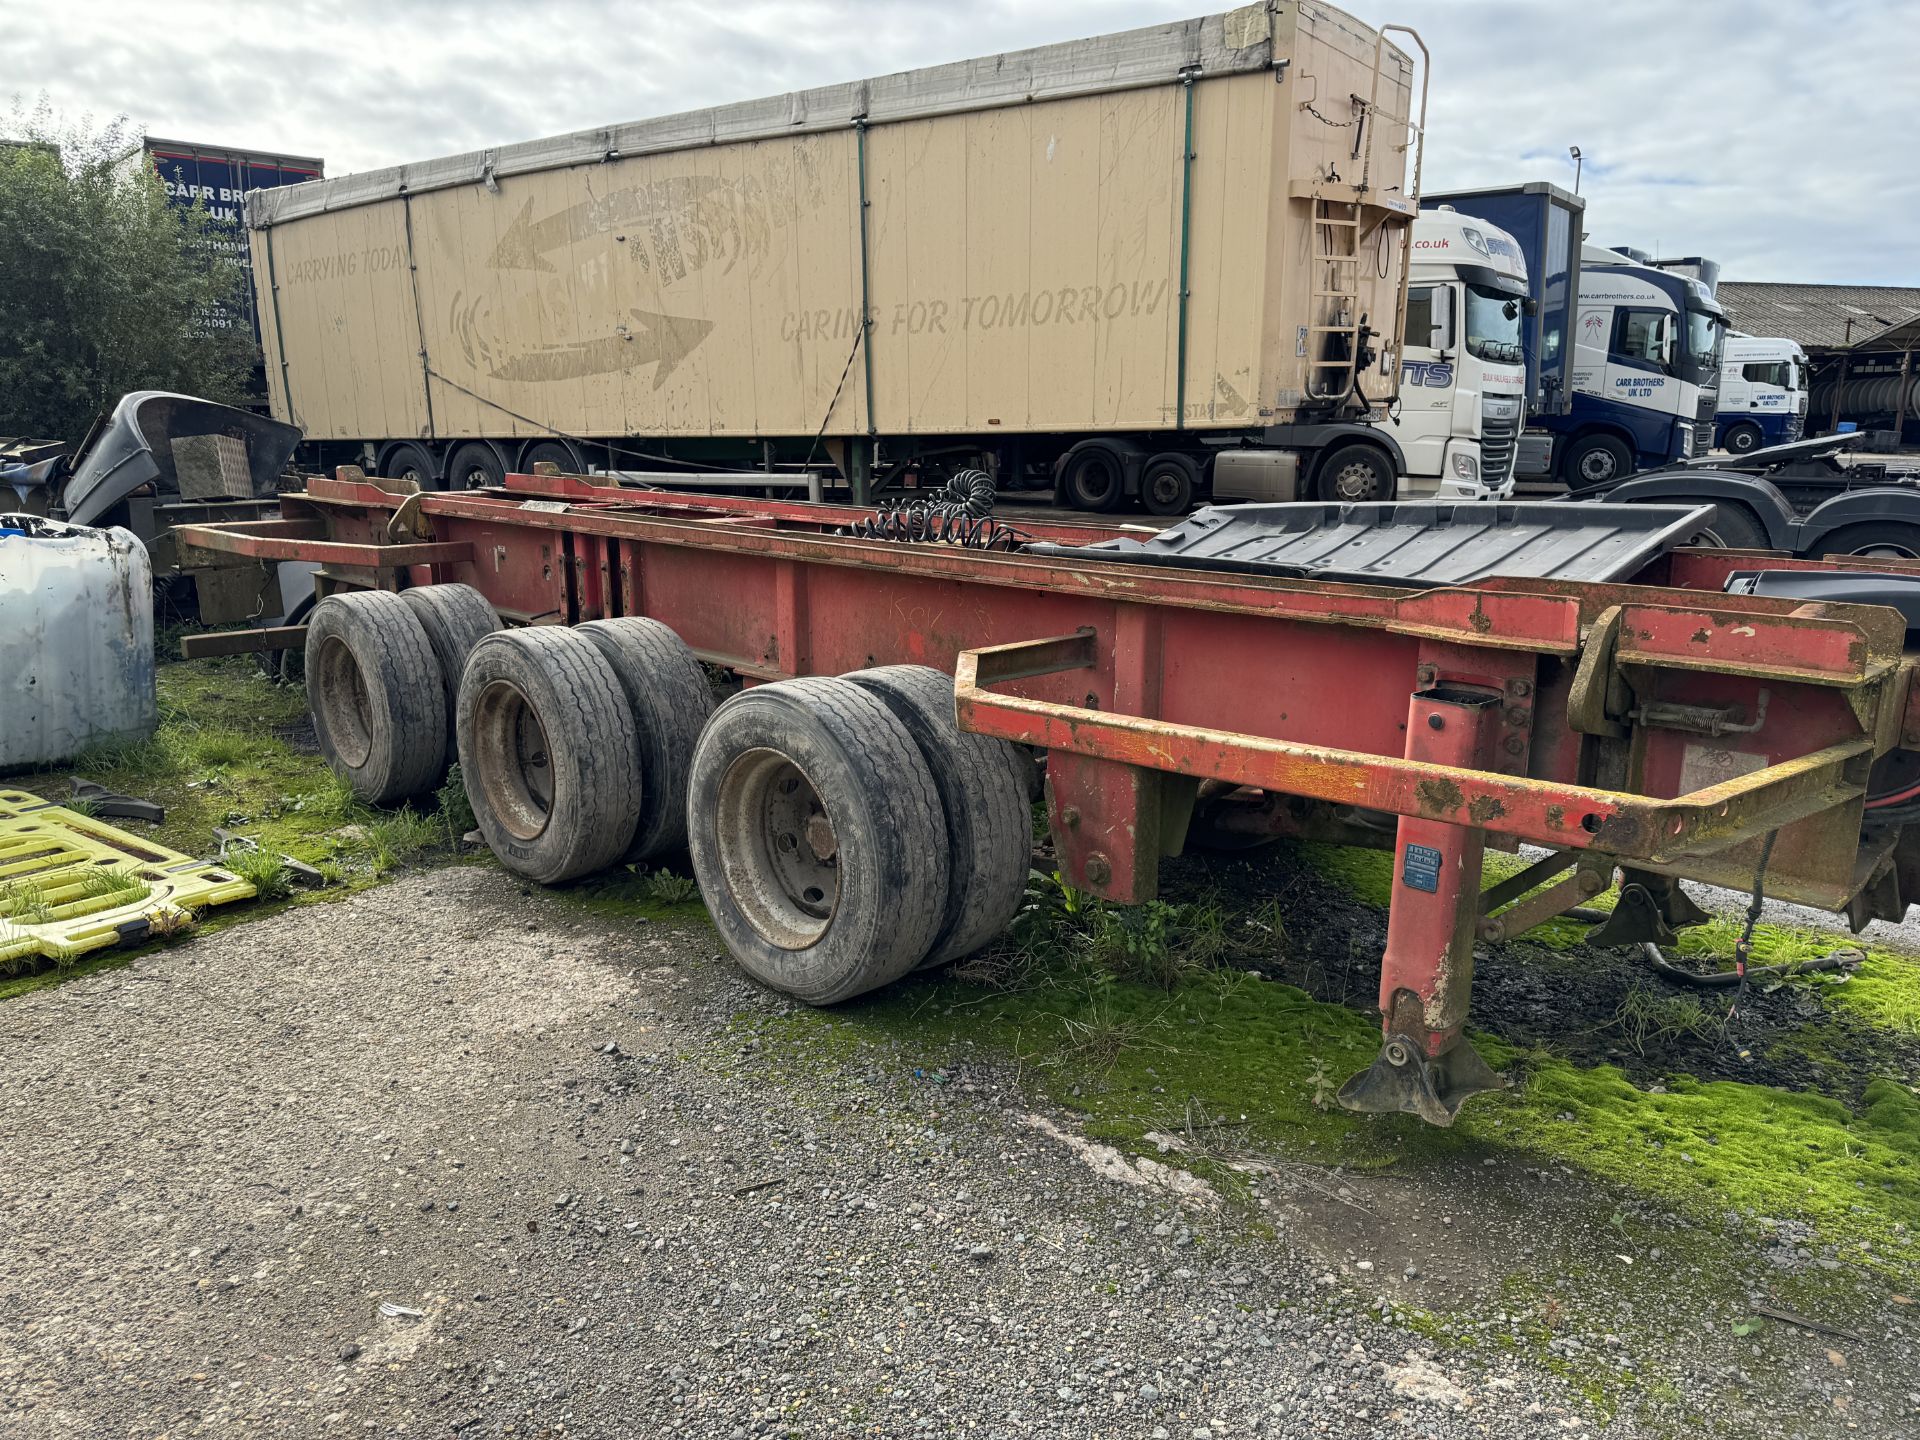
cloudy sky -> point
(1769, 134)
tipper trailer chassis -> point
(1660, 728)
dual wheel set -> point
(843, 830)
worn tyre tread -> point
(407, 719)
(894, 801)
(456, 618)
(670, 698)
(589, 725)
(983, 797)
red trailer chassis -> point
(1661, 727)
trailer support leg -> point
(1425, 1066)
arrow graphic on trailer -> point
(645, 338)
(671, 227)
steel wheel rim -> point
(1596, 466)
(1103, 469)
(1354, 481)
(778, 848)
(345, 707)
(1886, 552)
(1164, 487)
(513, 766)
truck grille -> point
(1499, 432)
(1703, 421)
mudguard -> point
(135, 448)
(1694, 487)
(1887, 505)
(1322, 438)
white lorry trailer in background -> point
(1763, 393)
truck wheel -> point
(476, 466)
(671, 700)
(555, 452)
(1873, 541)
(1167, 484)
(1734, 527)
(373, 686)
(982, 784)
(456, 618)
(547, 753)
(1595, 460)
(817, 838)
(1356, 472)
(1742, 438)
(410, 462)
(1094, 479)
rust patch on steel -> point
(1439, 796)
(1557, 816)
(1485, 808)
(1702, 636)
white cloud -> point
(1762, 135)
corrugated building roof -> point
(1820, 317)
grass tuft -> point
(262, 869)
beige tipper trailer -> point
(1127, 265)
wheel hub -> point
(779, 847)
(512, 761)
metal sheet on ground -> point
(68, 883)
(1425, 543)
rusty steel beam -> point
(307, 540)
(242, 642)
(1544, 812)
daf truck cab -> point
(1646, 371)
(1462, 384)
(1763, 393)
(1463, 375)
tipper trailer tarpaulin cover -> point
(1658, 727)
(1112, 235)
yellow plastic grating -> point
(67, 883)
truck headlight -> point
(1465, 466)
(1686, 443)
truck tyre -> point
(411, 463)
(1356, 471)
(1596, 460)
(1095, 479)
(1168, 483)
(1742, 438)
(1873, 540)
(1734, 527)
(547, 753)
(475, 466)
(818, 838)
(373, 686)
(671, 700)
(456, 618)
(982, 784)
(555, 452)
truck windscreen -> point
(1704, 334)
(1493, 325)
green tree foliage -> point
(104, 287)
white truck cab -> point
(1763, 393)
(1463, 377)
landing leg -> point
(1425, 1066)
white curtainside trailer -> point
(1110, 262)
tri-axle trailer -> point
(853, 813)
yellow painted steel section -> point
(56, 900)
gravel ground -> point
(453, 1158)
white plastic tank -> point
(76, 640)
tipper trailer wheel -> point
(1168, 483)
(373, 686)
(547, 753)
(476, 465)
(1094, 480)
(983, 791)
(671, 700)
(456, 618)
(818, 838)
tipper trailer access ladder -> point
(1662, 728)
